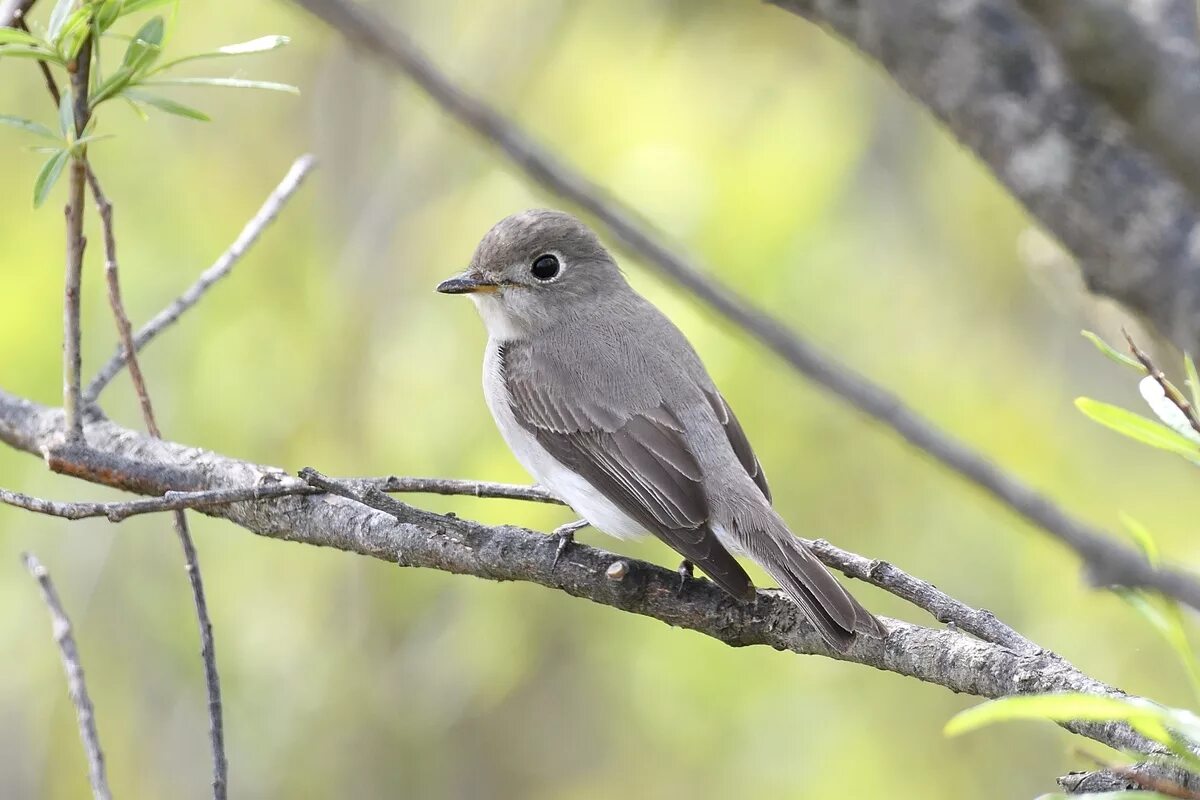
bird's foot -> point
(686, 570)
(566, 536)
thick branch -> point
(1148, 73)
(1107, 561)
(416, 538)
(76, 685)
(990, 74)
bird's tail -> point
(837, 616)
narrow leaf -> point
(1107, 349)
(66, 114)
(108, 14)
(48, 176)
(137, 109)
(1165, 617)
(134, 6)
(111, 85)
(1193, 380)
(17, 36)
(1138, 428)
(166, 104)
(1147, 718)
(145, 47)
(234, 83)
(28, 125)
(1141, 537)
(259, 45)
(30, 51)
(62, 9)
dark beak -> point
(467, 283)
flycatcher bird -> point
(603, 400)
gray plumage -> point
(608, 406)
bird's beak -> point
(468, 282)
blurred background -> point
(771, 152)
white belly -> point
(548, 471)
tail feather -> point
(837, 616)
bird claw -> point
(566, 537)
(686, 570)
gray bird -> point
(603, 400)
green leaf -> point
(145, 47)
(58, 17)
(1138, 428)
(259, 45)
(1109, 352)
(166, 104)
(1175, 728)
(28, 125)
(134, 6)
(234, 83)
(1141, 537)
(47, 176)
(142, 115)
(30, 51)
(1193, 380)
(74, 31)
(1166, 618)
(111, 85)
(109, 12)
(17, 36)
(66, 115)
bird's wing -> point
(737, 438)
(641, 463)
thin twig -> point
(76, 685)
(221, 267)
(171, 501)
(1108, 562)
(51, 84)
(190, 557)
(72, 403)
(1171, 392)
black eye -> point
(544, 267)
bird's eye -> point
(545, 267)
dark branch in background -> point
(1108, 562)
(1150, 76)
(220, 268)
(191, 559)
(992, 76)
(76, 685)
(413, 537)
(79, 70)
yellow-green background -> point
(792, 169)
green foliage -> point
(70, 24)
(1110, 352)
(1139, 428)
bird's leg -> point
(565, 535)
(686, 570)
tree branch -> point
(76, 685)
(79, 70)
(1108, 562)
(221, 267)
(1148, 75)
(992, 76)
(412, 537)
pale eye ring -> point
(545, 267)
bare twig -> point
(72, 403)
(1110, 562)
(414, 537)
(51, 84)
(190, 557)
(76, 685)
(1168, 780)
(220, 268)
(1169, 389)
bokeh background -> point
(785, 163)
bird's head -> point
(536, 269)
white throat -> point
(500, 325)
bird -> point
(603, 400)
